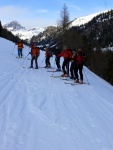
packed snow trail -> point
(38, 112)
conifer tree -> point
(64, 21)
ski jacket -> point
(80, 58)
(35, 51)
(67, 54)
(48, 53)
(20, 45)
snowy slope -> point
(83, 20)
(39, 112)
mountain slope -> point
(83, 20)
(41, 112)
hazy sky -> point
(41, 13)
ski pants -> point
(72, 69)
(65, 66)
(34, 58)
(57, 59)
(47, 61)
(19, 52)
(80, 68)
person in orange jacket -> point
(20, 48)
(67, 54)
(35, 52)
(48, 54)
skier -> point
(67, 56)
(80, 59)
(57, 59)
(48, 54)
(20, 47)
(73, 64)
(35, 52)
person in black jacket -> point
(57, 59)
(80, 59)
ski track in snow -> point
(38, 112)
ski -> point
(73, 83)
(56, 76)
(63, 78)
(79, 83)
(47, 67)
(19, 57)
(53, 71)
(76, 84)
(68, 82)
(31, 68)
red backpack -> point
(80, 58)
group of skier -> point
(77, 59)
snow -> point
(107, 48)
(28, 34)
(83, 20)
(39, 112)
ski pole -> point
(24, 60)
(13, 49)
(86, 77)
(42, 61)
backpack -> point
(81, 58)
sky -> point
(41, 13)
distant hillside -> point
(99, 30)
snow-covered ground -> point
(39, 112)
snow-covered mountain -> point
(28, 34)
(83, 20)
(14, 26)
(21, 31)
(40, 112)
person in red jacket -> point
(35, 52)
(67, 54)
(80, 59)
